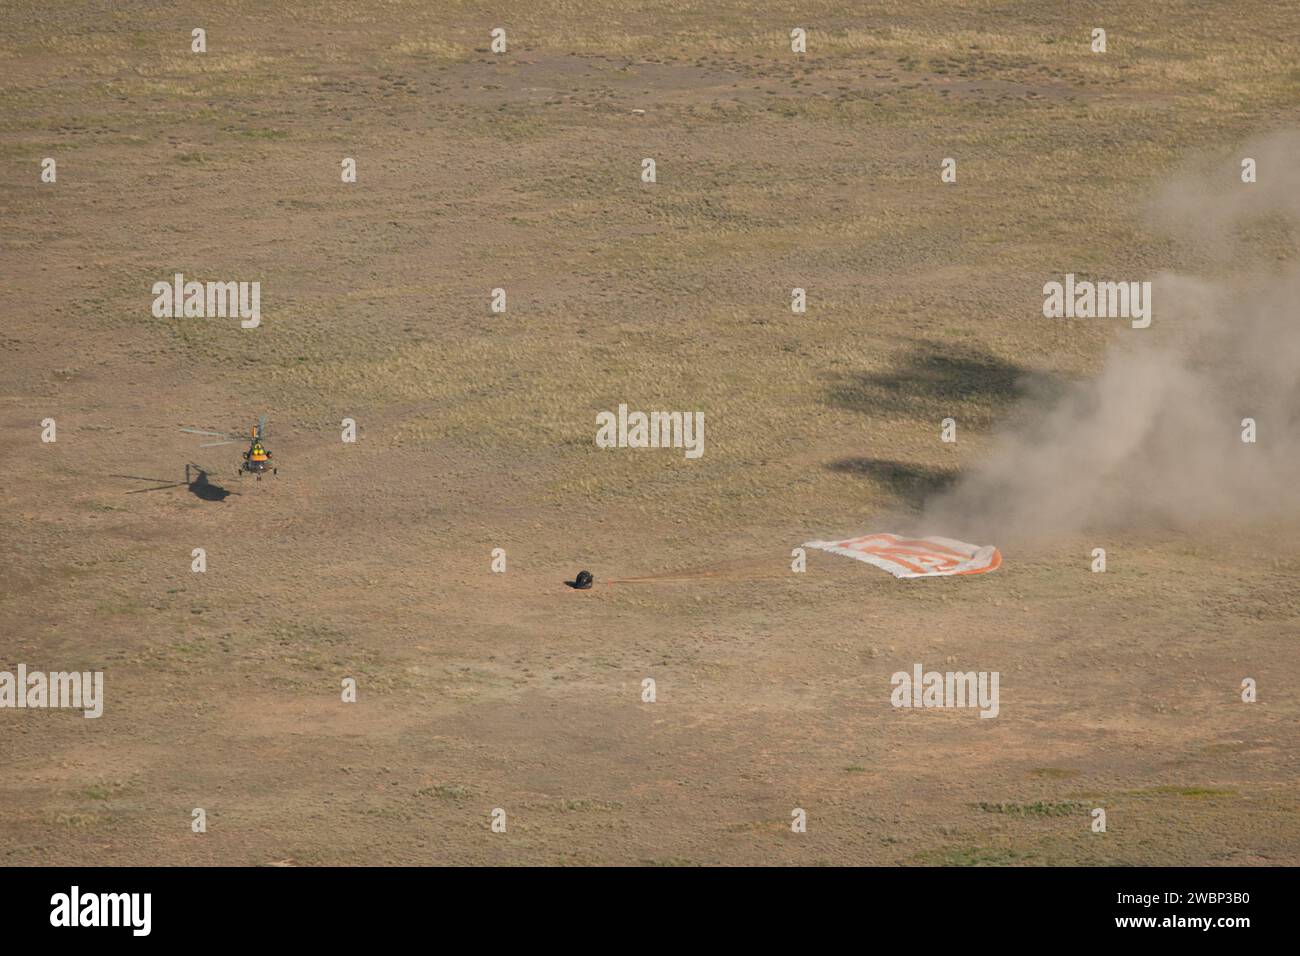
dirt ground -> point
(372, 560)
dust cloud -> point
(1156, 438)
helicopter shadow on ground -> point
(909, 483)
(933, 381)
(196, 483)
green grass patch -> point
(1053, 773)
(444, 791)
(1197, 793)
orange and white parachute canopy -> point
(915, 557)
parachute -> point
(915, 557)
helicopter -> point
(257, 460)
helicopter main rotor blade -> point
(214, 444)
(140, 491)
(200, 431)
